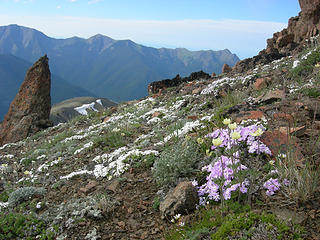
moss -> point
(4, 196)
(235, 222)
(14, 225)
(156, 203)
(310, 92)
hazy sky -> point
(242, 26)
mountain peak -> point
(99, 37)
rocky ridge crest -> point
(302, 31)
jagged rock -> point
(253, 115)
(226, 68)
(114, 185)
(155, 87)
(272, 96)
(263, 57)
(280, 143)
(296, 131)
(182, 200)
(284, 116)
(197, 90)
(260, 83)
(301, 30)
(89, 187)
(29, 111)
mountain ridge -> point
(115, 69)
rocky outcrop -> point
(155, 87)
(29, 111)
(226, 68)
(301, 31)
(262, 58)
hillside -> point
(66, 110)
(12, 73)
(118, 70)
(109, 175)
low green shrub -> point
(306, 66)
(142, 161)
(23, 194)
(110, 140)
(176, 161)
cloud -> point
(245, 38)
(94, 1)
(24, 1)
(58, 7)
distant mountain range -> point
(12, 74)
(118, 70)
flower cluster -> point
(223, 173)
(235, 135)
(222, 169)
(272, 185)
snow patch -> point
(99, 102)
(83, 109)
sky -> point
(242, 26)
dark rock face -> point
(262, 58)
(301, 30)
(29, 111)
(155, 87)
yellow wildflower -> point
(235, 135)
(208, 153)
(226, 121)
(200, 140)
(232, 126)
(217, 141)
(257, 133)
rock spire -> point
(29, 111)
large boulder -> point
(182, 200)
(30, 109)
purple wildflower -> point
(272, 185)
